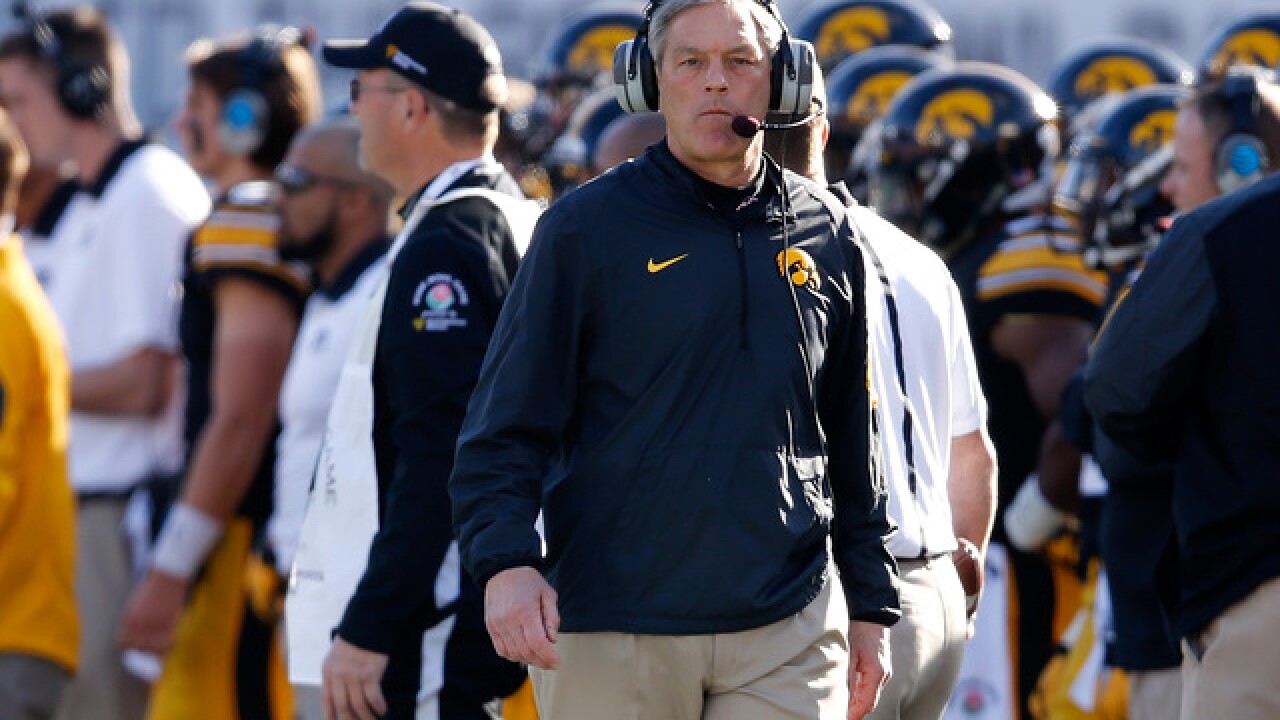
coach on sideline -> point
(411, 642)
(660, 385)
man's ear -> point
(415, 107)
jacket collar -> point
(769, 205)
(113, 165)
(481, 172)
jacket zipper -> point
(742, 283)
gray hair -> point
(768, 27)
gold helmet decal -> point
(1154, 131)
(874, 94)
(850, 31)
(955, 114)
(796, 264)
(594, 50)
(1113, 74)
(1248, 47)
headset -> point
(84, 91)
(791, 75)
(1241, 157)
(246, 116)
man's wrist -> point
(189, 535)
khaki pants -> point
(102, 689)
(793, 669)
(1236, 674)
(308, 702)
(1155, 694)
(29, 687)
(927, 644)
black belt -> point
(919, 560)
(90, 497)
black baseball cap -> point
(439, 48)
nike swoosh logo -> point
(659, 267)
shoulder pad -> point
(1040, 254)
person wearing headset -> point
(679, 382)
(196, 606)
(1218, 148)
(939, 461)
(1180, 374)
(112, 262)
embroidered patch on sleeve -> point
(440, 303)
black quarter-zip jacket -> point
(646, 388)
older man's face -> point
(713, 68)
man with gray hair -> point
(678, 383)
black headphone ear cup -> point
(243, 124)
(791, 77)
(83, 91)
(635, 81)
(777, 77)
(1239, 160)
(648, 74)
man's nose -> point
(716, 79)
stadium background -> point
(1028, 35)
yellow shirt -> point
(37, 531)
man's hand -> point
(970, 568)
(869, 667)
(520, 612)
(353, 683)
(151, 617)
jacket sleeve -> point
(440, 307)
(861, 526)
(1142, 374)
(521, 407)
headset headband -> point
(1240, 88)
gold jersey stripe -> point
(1044, 282)
(224, 236)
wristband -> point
(1030, 520)
(186, 540)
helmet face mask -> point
(1079, 194)
(1111, 186)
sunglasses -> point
(294, 180)
(357, 88)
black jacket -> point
(1186, 370)
(444, 293)
(647, 390)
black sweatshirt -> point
(647, 390)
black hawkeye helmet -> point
(580, 53)
(1114, 66)
(840, 28)
(1253, 39)
(859, 91)
(957, 146)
